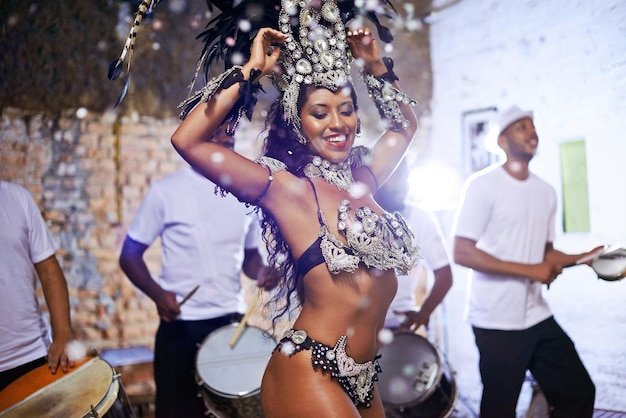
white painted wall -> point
(564, 59)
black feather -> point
(115, 69)
(220, 4)
(223, 38)
(124, 91)
(116, 66)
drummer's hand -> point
(588, 253)
(167, 306)
(57, 356)
(266, 280)
(544, 272)
(413, 320)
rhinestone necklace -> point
(339, 175)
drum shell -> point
(415, 380)
(91, 386)
(440, 404)
(411, 370)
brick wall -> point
(89, 175)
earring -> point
(300, 137)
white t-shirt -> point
(203, 236)
(24, 240)
(433, 249)
(512, 220)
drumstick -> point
(606, 250)
(241, 325)
(190, 294)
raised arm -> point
(379, 77)
(233, 172)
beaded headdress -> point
(315, 53)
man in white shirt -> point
(27, 253)
(503, 231)
(405, 311)
(207, 240)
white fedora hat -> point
(507, 117)
(499, 122)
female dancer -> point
(336, 250)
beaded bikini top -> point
(382, 241)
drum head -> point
(411, 370)
(611, 265)
(72, 394)
(233, 372)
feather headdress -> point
(116, 67)
(229, 35)
(314, 53)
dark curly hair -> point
(281, 143)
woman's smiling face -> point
(329, 122)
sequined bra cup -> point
(382, 241)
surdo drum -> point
(91, 389)
(230, 377)
(415, 382)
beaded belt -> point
(356, 379)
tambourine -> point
(608, 263)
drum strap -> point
(356, 379)
(8, 376)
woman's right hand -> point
(260, 59)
